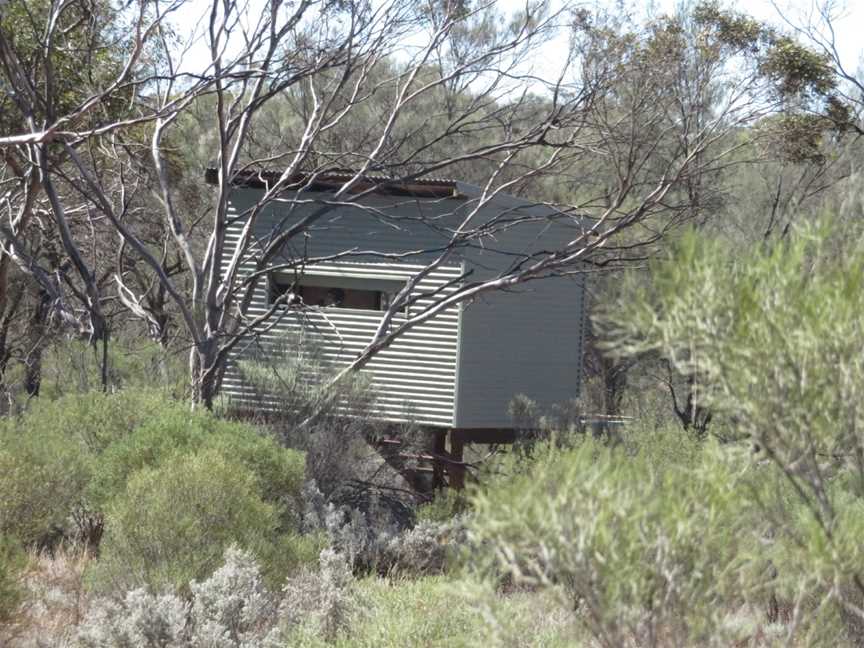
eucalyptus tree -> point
(48, 75)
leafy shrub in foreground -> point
(12, 561)
(94, 418)
(173, 523)
(643, 552)
(43, 474)
(48, 456)
(277, 470)
(64, 462)
(770, 337)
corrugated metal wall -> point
(525, 341)
(500, 345)
(415, 378)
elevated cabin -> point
(458, 370)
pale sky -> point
(848, 20)
(848, 24)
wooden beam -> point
(488, 436)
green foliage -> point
(773, 335)
(798, 69)
(794, 68)
(416, 613)
(773, 339)
(69, 460)
(97, 419)
(86, 54)
(75, 367)
(176, 431)
(278, 471)
(12, 563)
(173, 523)
(643, 547)
(446, 505)
(50, 454)
(795, 137)
(43, 474)
(737, 30)
(443, 612)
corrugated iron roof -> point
(421, 187)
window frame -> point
(384, 285)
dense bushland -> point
(172, 488)
(743, 532)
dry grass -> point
(55, 602)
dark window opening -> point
(335, 292)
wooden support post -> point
(456, 471)
(439, 448)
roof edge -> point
(330, 181)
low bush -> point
(230, 609)
(278, 471)
(12, 562)
(373, 541)
(644, 549)
(94, 418)
(447, 504)
(440, 612)
(43, 474)
(172, 523)
(317, 606)
(49, 454)
(63, 461)
(233, 608)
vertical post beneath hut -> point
(456, 471)
(439, 450)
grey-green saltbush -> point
(232, 608)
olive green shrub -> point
(43, 475)
(12, 563)
(94, 418)
(278, 471)
(648, 552)
(772, 340)
(49, 454)
(173, 523)
(64, 461)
